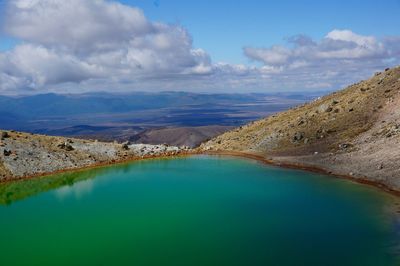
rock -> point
(125, 145)
(345, 145)
(298, 136)
(65, 146)
(329, 109)
(380, 167)
(387, 69)
(4, 135)
(323, 108)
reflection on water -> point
(77, 190)
(18, 190)
(65, 183)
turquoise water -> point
(195, 211)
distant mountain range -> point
(121, 116)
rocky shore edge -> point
(305, 167)
(25, 155)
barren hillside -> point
(355, 131)
(24, 154)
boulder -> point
(65, 146)
(125, 145)
(344, 146)
(298, 136)
(4, 135)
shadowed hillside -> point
(181, 136)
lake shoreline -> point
(97, 165)
(309, 168)
(259, 158)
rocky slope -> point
(353, 132)
(23, 154)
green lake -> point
(200, 210)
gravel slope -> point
(353, 132)
(24, 154)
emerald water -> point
(197, 210)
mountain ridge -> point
(353, 132)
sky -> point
(201, 46)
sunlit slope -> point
(354, 131)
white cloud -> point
(45, 66)
(341, 57)
(276, 55)
(349, 36)
(78, 25)
(86, 45)
(336, 45)
(79, 40)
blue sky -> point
(224, 46)
(223, 27)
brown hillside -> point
(353, 131)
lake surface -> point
(198, 210)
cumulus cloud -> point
(86, 45)
(78, 25)
(341, 57)
(336, 45)
(78, 40)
